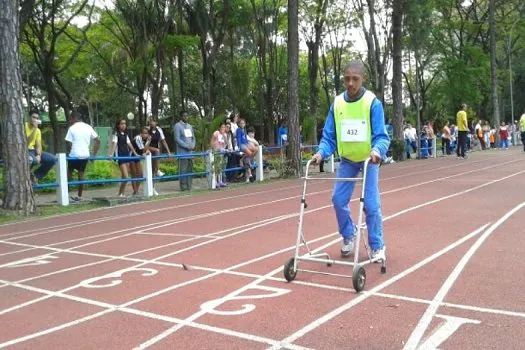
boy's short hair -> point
(251, 129)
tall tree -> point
(314, 12)
(293, 151)
(48, 25)
(18, 192)
(493, 63)
(397, 77)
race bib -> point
(188, 133)
(353, 131)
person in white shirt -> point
(79, 137)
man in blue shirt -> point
(358, 130)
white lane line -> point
(171, 234)
(49, 294)
(336, 240)
(54, 329)
(424, 322)
(87, 222)
(143, 212)
(111, 308)
(362, 297)
(127, 257)
(73, 249)
(454, 306)
(267, 221)
(181, 220)
(358, 300)
(154, 227)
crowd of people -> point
(464, 136)
(234, 144)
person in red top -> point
(503, 136)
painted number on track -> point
(211, 306)
(33, 261)
(115, 278)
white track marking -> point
(445, 331)
(358, 300)
(269, 221)
(184, 219)
(134, 214)
(362, 297)
(171, 234)
(49, 294)
(424, 322)
(386, 218)
(118, 216)
(292, 248)
(87, 222)
(54, 329)
(111, 308)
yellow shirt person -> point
(34, 149)
(461, 121)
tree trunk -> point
(493, 64)
(397, 78)
(293, 152)
(18, 192)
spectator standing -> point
(185, 141)
(121, 146)
(218, 144)
(463, 130)
(157, 137)
(34, 147)
(522, 129)
(445, 139)
(78, 138)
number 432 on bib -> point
(353, 131)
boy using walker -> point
(355, 127)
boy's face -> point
(251, 134)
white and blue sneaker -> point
(379, 254)
(348, 244)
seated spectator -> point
(34, 149)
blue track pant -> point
(342, 193)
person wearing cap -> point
(355, 128)
(34, 146)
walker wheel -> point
(359, 278)
(329, 264)
(289, 272)
(383, 269)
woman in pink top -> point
(218, 144)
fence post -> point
(148, 174)
(212, 177)
(434, 147)
(331, 164)
(260, 164)
(61, 176)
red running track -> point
(205, 272)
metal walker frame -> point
(358, 273)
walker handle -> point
(365, 165)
